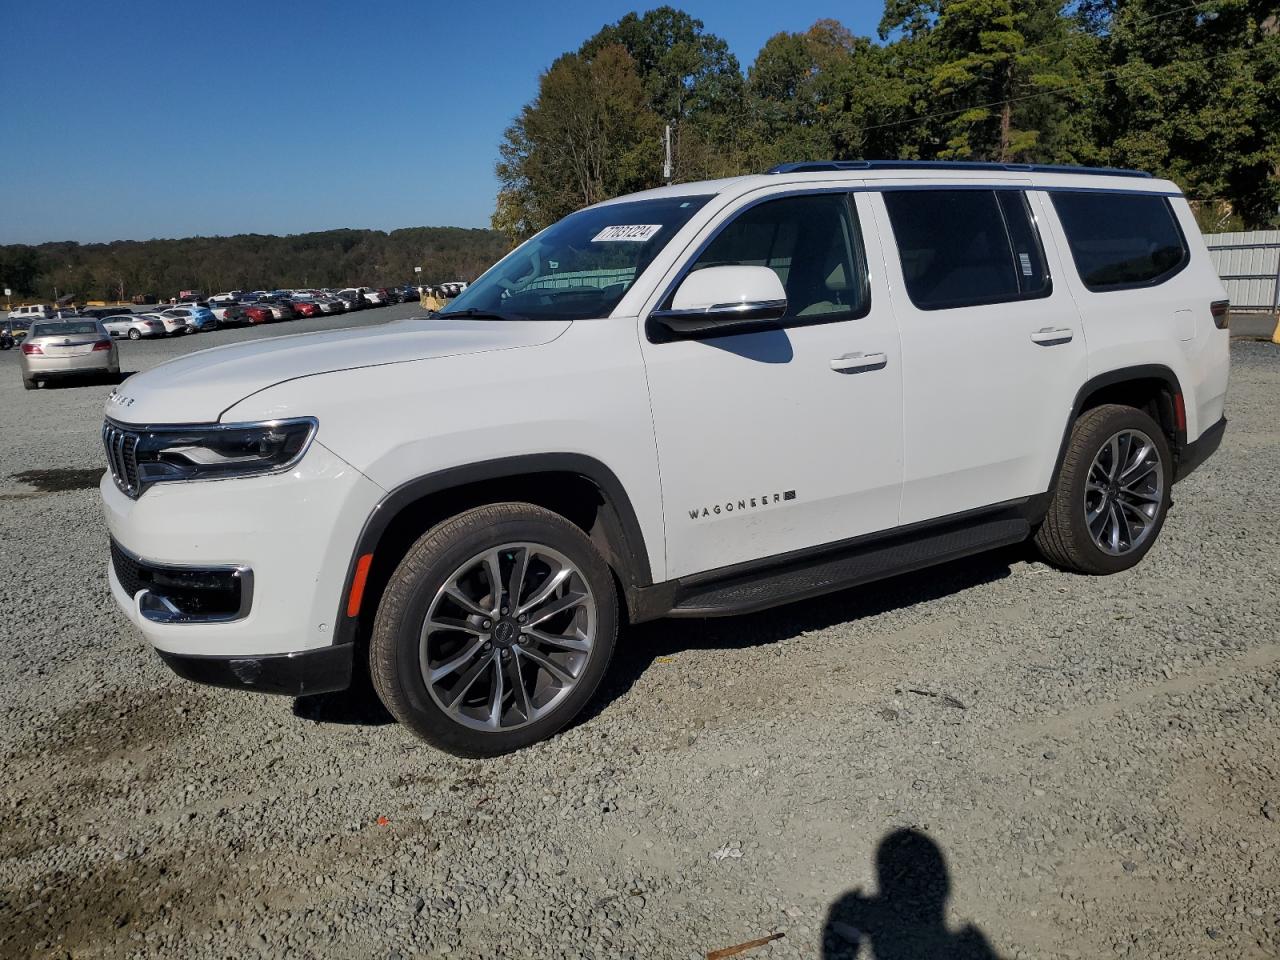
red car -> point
(256, 315)
(306, 308)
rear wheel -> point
(135, 333)
(28, 383)
(1112, 494)
(495, 630)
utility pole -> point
(666, 163)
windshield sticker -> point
(627, 233)
(1025, 260)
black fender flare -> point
(1110, 378)
(631, 555)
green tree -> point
(989, 66)
(691, 80)
(1193, 94)
(589, 135)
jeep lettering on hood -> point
(197, 388)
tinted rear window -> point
(1121, 240)
(961, 248)
(63, 329)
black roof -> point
(817, 166)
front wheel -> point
(1112, 493)
(495, 630)
(135, 334)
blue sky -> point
(131, 119)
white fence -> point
(1249, 265)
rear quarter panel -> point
(1167, 324)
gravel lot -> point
(990, 758)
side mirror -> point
(718, 301)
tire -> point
(1085, 489)
(135, 333)
(29, 384)
(454, 552)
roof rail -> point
(817, 166)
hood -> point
(197, 388)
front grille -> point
(122, 457)
(128, 571)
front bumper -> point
(323, 670)
(294, 531)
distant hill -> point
(330, 258)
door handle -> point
(1052, 336)
(856, 362)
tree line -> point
(332, 258)
(1186, 90)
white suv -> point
(35, 311)
(700, 400)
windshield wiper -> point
(471, 313)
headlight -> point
(221, 450)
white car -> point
(174, 325)
(135, 326)
(328, 304)
(32, 311)
(700, 400)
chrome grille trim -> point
(121, 446)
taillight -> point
(30, 348)
(102, 345)
(1221, 311)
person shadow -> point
(906, 920)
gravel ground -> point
(986, 759)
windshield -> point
(579, 267)
(69, 328)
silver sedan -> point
(135, 326)
(67, 348)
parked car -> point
(256, 313)
(198, 319)
(174, 326)
(58, 349)
(135, 326)
(33, 311)
(942, 359)
(328, 304)
(351, 299)
(228, 314)
(280, 309)
(230, 297)
(305, 308)
(7, 338)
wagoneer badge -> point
(746, 503)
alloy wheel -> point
(1123, 492)
(507, 636)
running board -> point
(811, 576)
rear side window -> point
(1121, 240)
(963, 248)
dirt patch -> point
(60, 479)
(114, 724)
(104, 911)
